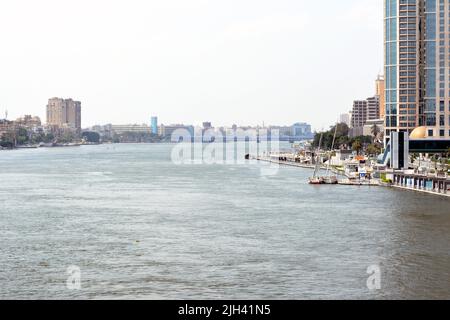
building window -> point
(430, 133)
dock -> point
(287, 163)
(343, 182)
(420, 183)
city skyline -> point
(243, 68)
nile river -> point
(139, 226)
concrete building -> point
(105, 131)
(416, 40)
(367, 129)
(132, 128)
(6, 127)
(373, 108)
(167, 131)
(365, 110)
(73, 113)
(64, 113)
(28, 121)
(359, 113)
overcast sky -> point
(189, 61)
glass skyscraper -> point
(417, 65)
(154, 125)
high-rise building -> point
(154, 125)
(64, 113)
(373, 108)
(359, 113)
(379, 92)
(363, 112)
(417, 43)
(73, 113)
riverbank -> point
(354, 182)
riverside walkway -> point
(420, 183)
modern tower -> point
(154, 125)
(417, 57)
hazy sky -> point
(188, 61)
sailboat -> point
(315, 179)
(329, 179)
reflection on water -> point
(140, 227)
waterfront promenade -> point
(420, 183)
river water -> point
(139, 226)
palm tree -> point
(375, 131)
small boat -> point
(330, 180)
(27, 146)
(315, 179)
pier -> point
(433, 185)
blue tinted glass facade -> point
(391, 47)
(154, 125)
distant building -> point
(298, 131)
(154, 125)
(6, 127)
(105, 131)
(345, 118)
(167, 131)
(207, 125)
(28, 121)
(359, 113)
(301, 130)
(132, 128)
(364, 110)
(373, 108)
(367, 129)
(64, 113)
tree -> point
(91, 136)
(327, 140)
(66, 137)
(49, 137)
(22, 136)
(357, 146)
(373, 149)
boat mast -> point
(332, 148)
(316, 169)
